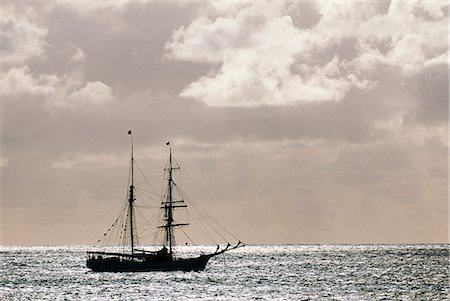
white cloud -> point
(264, 59)
(409, 53)
(55, 92)
(20, 39)
(442, 59)
(412, 135)
(203, 40)
(90, 161)
(85, 8)
(93, 93)
(20, 81)
(77, 53)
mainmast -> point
(168, 207)
(131, 196)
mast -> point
(169, 231)
(131, 196)
(168, 207)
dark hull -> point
(119, 264)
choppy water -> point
(286, 272)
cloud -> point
(406, 133)
(20, 40)
(204, 40)
(262, 58)
(93, 93)
(90, 161)
(348, 100)
(93, 7)
(77, 53)
(20, 81)
(19, 84)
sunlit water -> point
(285, 272)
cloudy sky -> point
(303, 121)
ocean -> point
(256, 272)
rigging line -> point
(149, 207)
(145, 207)
(145, 194)
(188, 196)
(214, 223)
(147, 191)
(115, 229)
(213, 228)
(206, 215)
(150, 220)
(147, 238)
(152, 217)
(156, 233)
(159, 166)
(143, 175)
(125, 232)
(188, 237)
(144, 220)
(205, 230)
(206, 197)
(107, 235)
(147, 224)
(210, 216)
(113, 235)
(163, 184)
(202, 225)
(211, 224)
(154, 175)
(101, 239)
(143, 200)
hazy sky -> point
(303, 121)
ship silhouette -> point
(163, 258)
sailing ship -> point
(162, 259)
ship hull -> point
(119, 264)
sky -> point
(302, 121)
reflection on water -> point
(286, 272)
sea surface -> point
(263, 272)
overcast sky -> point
(303, 121)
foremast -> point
(168, 205)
